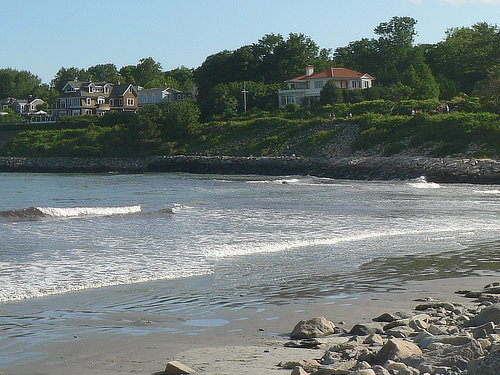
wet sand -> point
(243, 341)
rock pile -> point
(436, 338)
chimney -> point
(309, 70)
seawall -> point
(485, 171)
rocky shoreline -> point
(436, 338)
(453, 170)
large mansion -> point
(305, 89)
(89, 98)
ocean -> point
(84, 247)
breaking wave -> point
(40, 213)
(421, 183)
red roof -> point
(331, 73)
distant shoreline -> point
(445, 170)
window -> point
(88, 111)
(318, 84)
(179, 97)
(100, 100)
(91, 89)
(366, 84)
(120, 101)
(89, 101)
(112, 102)
(106, 89)
(354, 84)
(130, 102)
(290, 99)
(283, 100)
(130, 89)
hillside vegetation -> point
(377, 127)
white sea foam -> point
(421, 183)
(69, 212)
(487, 192)
(224, 251)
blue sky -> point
(42, 36)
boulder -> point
(177, 368)
(396, 349)
(387, 317)
(429, 342)
(488, 365)
(374, 339)
(315, 327)
(364, 371)
(299, 371)
(365, 329)
(379, 370)
(306, 364)
(488, 314)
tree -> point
(466, 55)
(418, 76)
(148, 73)
(361, 55)
(103, 73)
(18, 84)
(394, 43)
(127, 74)
(330, 94)
(489, 90)
(68, 74)
(181, 78)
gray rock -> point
(488, 365)
(315, 327)
(365, 329)
(488, 314)
(306, 364)
(409, 371)
(374, 339)
(422, 335)
(388, 317)
(396, 323)
(379, 370)
(177, 368)
(436, 330)
(435, 305)
(339, 368)
(305, 343)
(400, 332)
(365, 371)
(396, 349)
(444, 339)
(299, 371)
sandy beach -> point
(245, 341)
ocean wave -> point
(421, 183)
(40, 213)
(487, 192)
(225, 251)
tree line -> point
(466, 61)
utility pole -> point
(245, 92)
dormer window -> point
(91, 89)
(106, 89)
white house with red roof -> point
(305, 89)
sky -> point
(43, 36)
